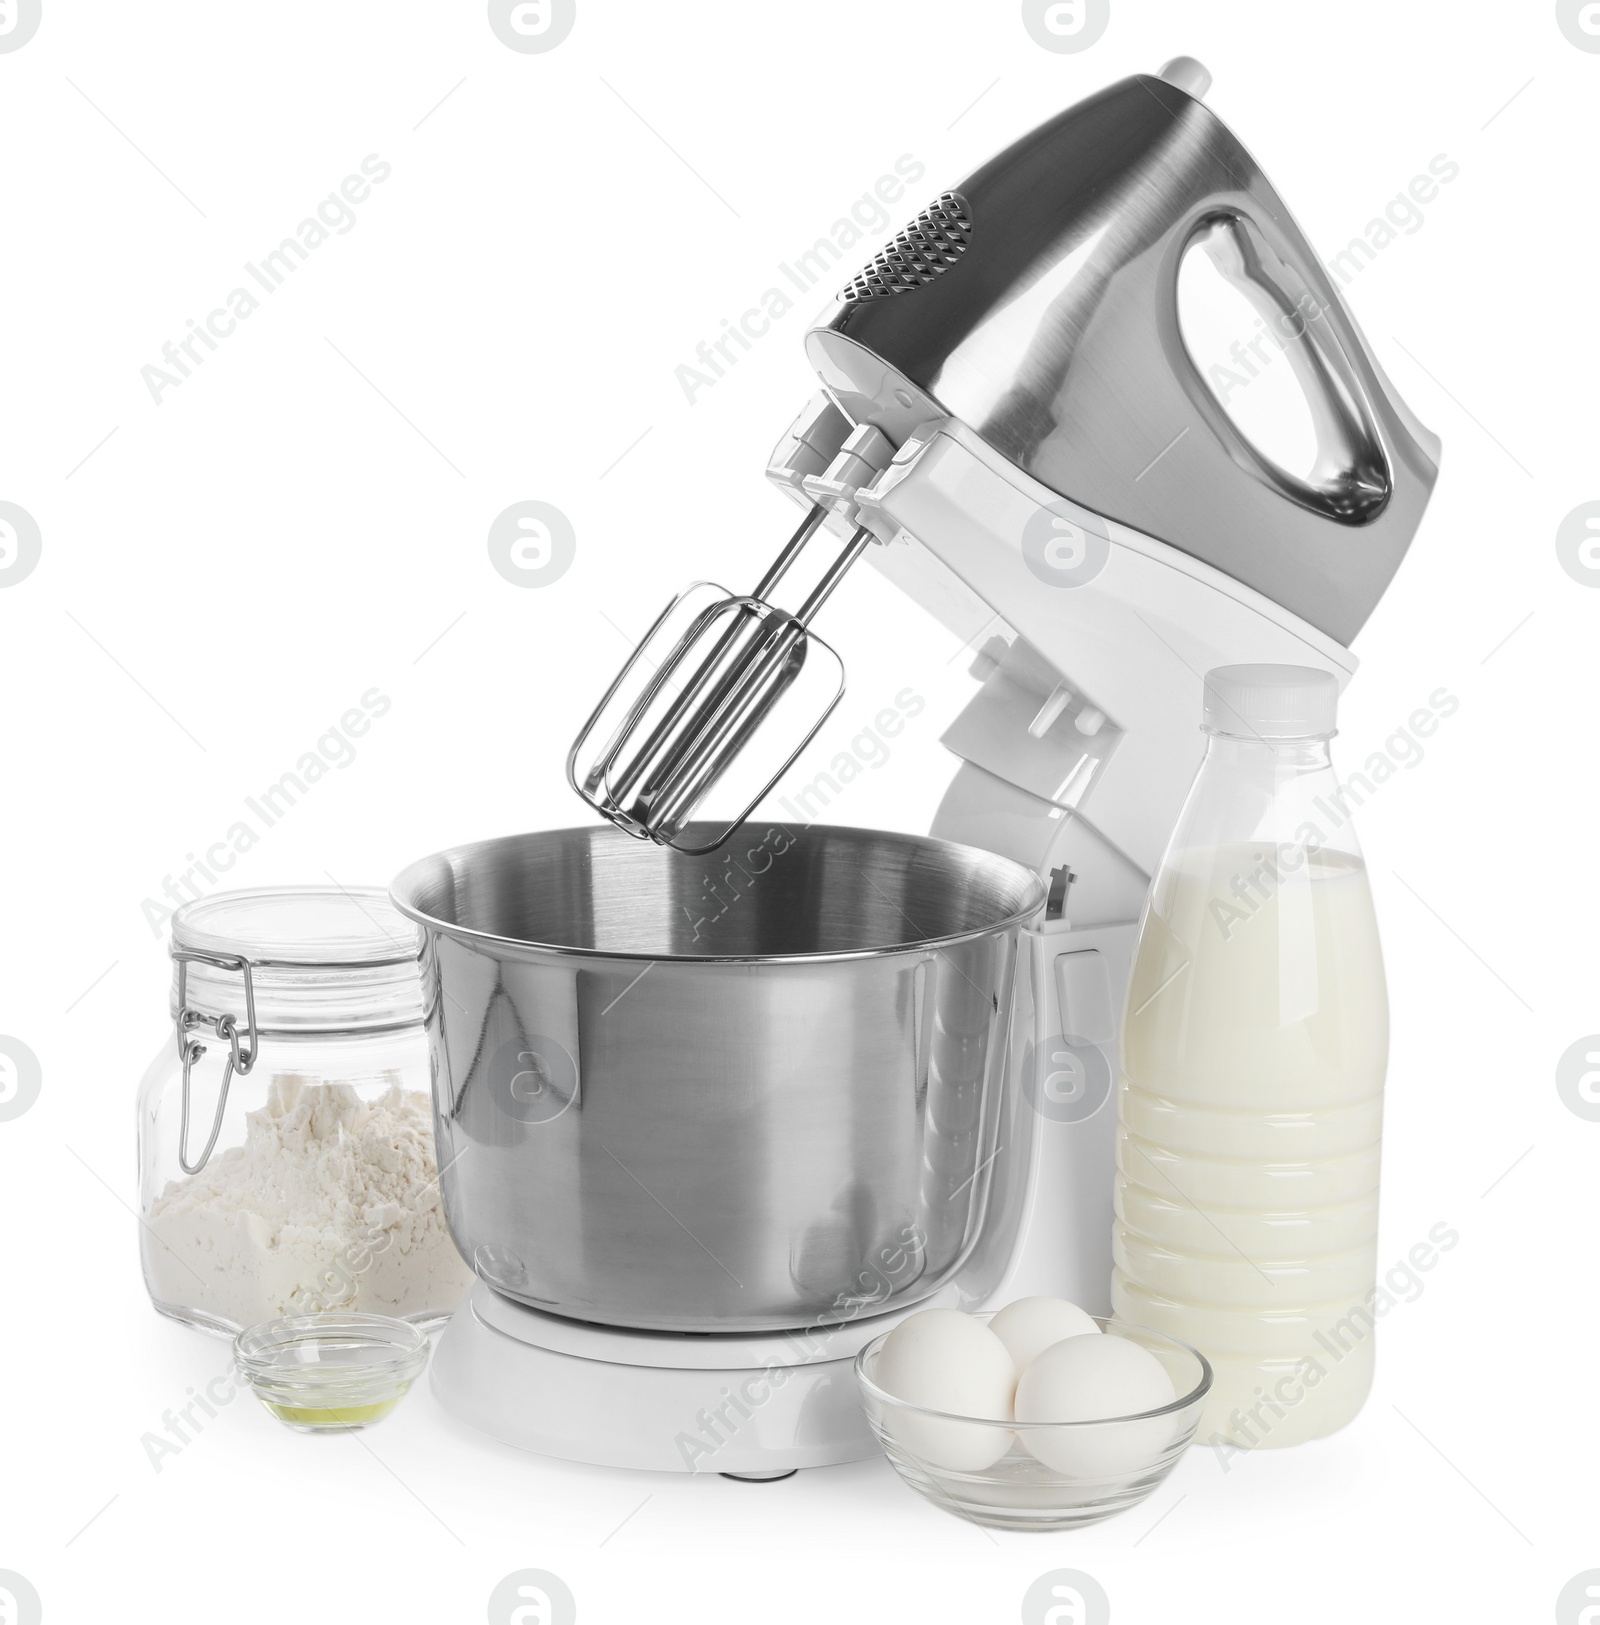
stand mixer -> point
(1012, 429)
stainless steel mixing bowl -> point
(742, 1092)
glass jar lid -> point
(321, 959)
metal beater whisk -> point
(673, 728)
(725, 691)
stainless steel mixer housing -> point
(693, 1094)
(1037, 302)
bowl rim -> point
(392, 1347)
(1104, 1322)
(432, 925)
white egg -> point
(1030, 1325)
(1083, 1380)
(948, 1361)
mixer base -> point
(743, 1405)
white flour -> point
(332, 1202)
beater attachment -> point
(725, 691)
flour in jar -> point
(332, 1202)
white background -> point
(231, 569)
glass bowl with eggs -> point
(1038, 1417)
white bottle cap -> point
(1271, 702)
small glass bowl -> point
(1100, 1468)
(331, 1373)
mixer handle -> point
(1352, 481)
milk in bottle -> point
(1254, 1043)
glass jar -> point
(286, 1137)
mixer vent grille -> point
(927, 248)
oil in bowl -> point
(331, 1373)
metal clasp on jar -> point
(242, 1052)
